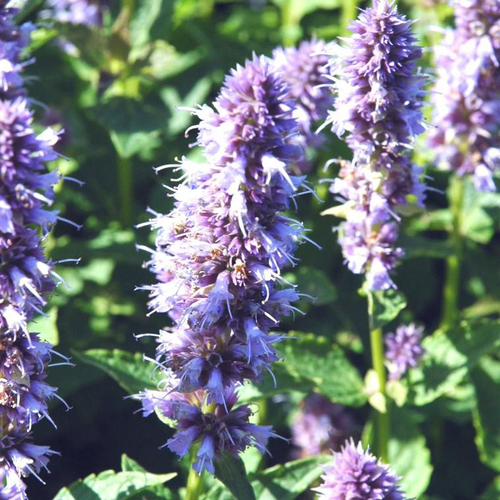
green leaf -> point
(111, 485)
(46, 327)
(230, 471)
(486, 379)
(130, 370)
(493, 492)
(157, 492)
(384, 306)
(286, 379)
(316, 283)
(480, 213)
(313, 357)
(301, 8)
(134, 125)
(151, 20)
(408, 453)
(288, 481)
(418, 246)
(181, 119)
(130, 465)
(281, 482)
(449, 357)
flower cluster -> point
(320, 425)
(355, 474)
(219, 428)
(26, 277)
(466, 97)
(304, 69)
(378, 101)
(220, 252)
(403, 350)
(74, 12)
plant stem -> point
(451, 291)
(382, 422)
(290, 24)
(126, 190)
(349, 8)
(194, 485)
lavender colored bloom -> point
(466, 95)
(304, 69)
(320, 425)
(218, 428)
(403, 349)
(74, 12)
(25, 217)
(355, 474)
(378, 101)
(220, 251)
(218, 261)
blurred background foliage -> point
(116, 90)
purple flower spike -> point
(304, 69)
(356, 474)
(403, 350)
(26, 194)
(218, 428)
(220, 252)
(378, 101)
(218, 261)
(466, 97)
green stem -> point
(126, 190)
(194, 485)
(451, 291)
(290, 24)
(349, 13)
(382, 422)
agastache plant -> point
(378, 101)
(356, 474)
(26, 277)
(218, 260)
(303, 69)
(466, 96)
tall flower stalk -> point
(26, 277)
(218, 262)
(378, 101)
(466, 107)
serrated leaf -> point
(134, 125)
(408, 453)
(281, 482)
(129, 369)
(230, 471)
(384, 306)
(486, 379)
(111, 485)
(449, 357)
(313, 357)
(288, 481)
